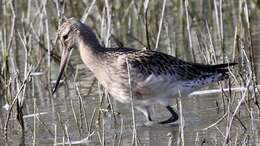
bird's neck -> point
(89, 51)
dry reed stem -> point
(34, 121)
(228, 128)
(216, 123)
(25, 81)
(87, 11)
(186, 4)
(75, 117)
(146, 7)
(160, 25)
(134, 134)
(55, 134)
(181, 126)
(121, 132)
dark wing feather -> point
(157, 63)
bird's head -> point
(72, 34)
(68, 34)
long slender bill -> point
(64, 58)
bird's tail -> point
(224, 65)
(223, 69)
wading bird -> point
(154, 77)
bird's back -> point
(155, 74)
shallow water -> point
(62, 120)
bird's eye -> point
(65, 37)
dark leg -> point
(173, 118)
(145, 111)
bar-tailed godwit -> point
(155, 77)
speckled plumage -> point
(155, 77)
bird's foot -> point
(149, 123)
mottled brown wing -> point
(160, 64)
